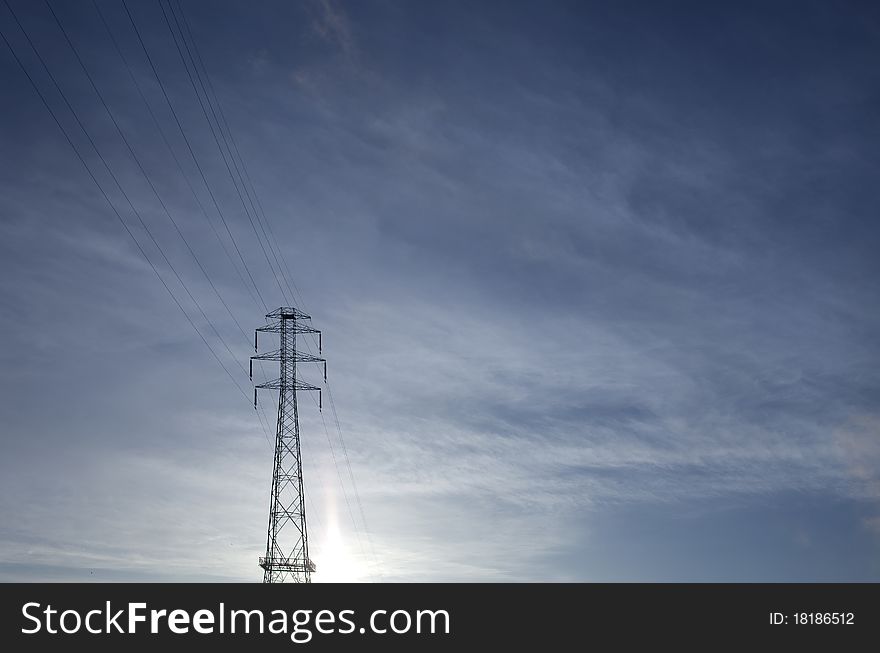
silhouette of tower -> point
(287, 544)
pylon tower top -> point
(288, 313)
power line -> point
(217, 141)
(204, 87)
(180, 127)
(288, 277)
(97, 183)
(192, 152)
(234, 151)
(177, 162)
(152, 187)
(286, 274)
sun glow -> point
(335, 562)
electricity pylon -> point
(287, 544)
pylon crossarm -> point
(276, 385)
(296, 327)
(299, 357)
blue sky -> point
(597, 281)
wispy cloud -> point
(332, 24)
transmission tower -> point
(287, 544)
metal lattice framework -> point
(287, 544)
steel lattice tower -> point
(287, 544)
